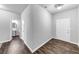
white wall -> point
(27, 27)
(5, 25)
(41, 26)
(37, 26)
(78, 24)
(72, 14)
(53, 26)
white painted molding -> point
(37, 47)
(41, 45)
(6, 41)
(78, 44)
(67, 41)
(28, 46)
(45, 43)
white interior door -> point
(63, 29)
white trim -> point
(28, 46)
(67, 41)
(51, 39)
(5, 41)
(10, 29)
(78, 44)
(33, 50)
(41, 45)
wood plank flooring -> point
(15, 46)
(54, 46)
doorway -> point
(63, 29)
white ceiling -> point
(18, 8)
(52, 9)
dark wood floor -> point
(54, 46)
(15, 46)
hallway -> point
(15, 46)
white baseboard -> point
(41, 45)
(78, 44)
(33, 50)
(6, 41)
(28, 47)
(26, 44)
(68, 41)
